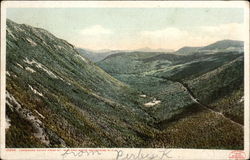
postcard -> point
(124, 80)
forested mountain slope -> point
(56, 97)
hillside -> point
(187, 50)
(224, 44)
(166, 65)
(99, 55)
(58, 98)
(96, 56)
(127, 62)
(147, 49)
(222, 89)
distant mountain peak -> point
(224, 44)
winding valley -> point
(56, 97)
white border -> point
(175, 153)
(246, 81)
(125, 4)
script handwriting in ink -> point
(80, 153)
(161, 155)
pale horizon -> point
(103, 49)
(135, 28)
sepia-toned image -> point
(125, 77)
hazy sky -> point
(132, 28)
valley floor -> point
(198, 125)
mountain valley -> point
(58, 97)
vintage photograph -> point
(130, 77)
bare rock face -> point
(24, 113)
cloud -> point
(169, 37)
(165, 33)
(226, 31)
(95, 30)
(175, 38)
